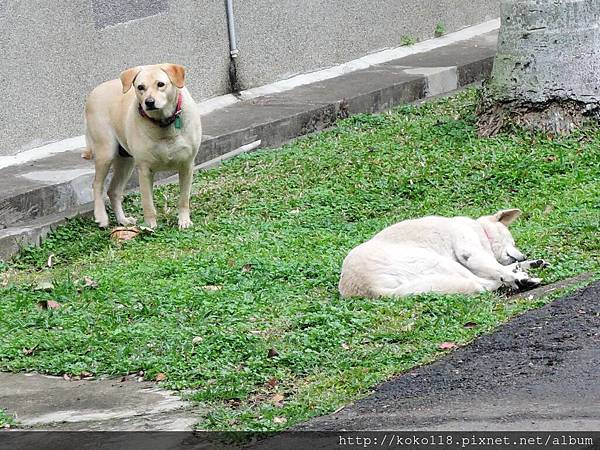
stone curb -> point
(40, 195)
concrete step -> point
(39, 195)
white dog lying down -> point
(438, 254)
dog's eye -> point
(141, 87)
(160, 84)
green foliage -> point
(7, 420)
(440, 30)
(408, 40)
(259, 269)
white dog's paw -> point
(126, 221)
(184, 223)
(527, 282)
(151, 224)
(102, 221)
(533, 264)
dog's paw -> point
(126, 221)
(102, 222)
(151, 224)
(528, 283)
(185, 223)
(534, 264)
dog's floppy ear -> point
(176, 73)
(127, 77)
(507, 216)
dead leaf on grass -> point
(272, 353)
(279, 420)
(212, 287)
(160, 377)
(48, 304)
(45, 285)
(470, 325)
(271, 383)
(89, 283)
(447, 345)
(247, 267)
(277, 400)
(124, 233)
(29, 351)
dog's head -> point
(501, 241)
(156, 87)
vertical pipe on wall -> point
(233, 50)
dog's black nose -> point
(149, 102)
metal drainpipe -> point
(233, 50)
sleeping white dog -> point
(438, 254)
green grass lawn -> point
(243, 309)
(6, 420)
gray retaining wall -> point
(53, 52)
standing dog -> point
(438, 254)
(147, 119)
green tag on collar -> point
(177, 122)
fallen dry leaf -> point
(124, 233)
(197, 340)
(470, 325)
(29, 351)
(279, 420)
(48, 304)
(44, 286)
(212, 287)
(272, 353)
(160, 377)
(247, 267)
(86, 374)
(447, 345)
(277, 400)
(67, 377)
(271, 383)
(345, 346)
(89, 283)
(548, 209)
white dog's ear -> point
(507, 216)
(127, 77)
(176, 74)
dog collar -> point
(169, 120)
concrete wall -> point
(53, 52)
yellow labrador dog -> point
(147, 118)
(438, 254)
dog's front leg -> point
(486, 266)
(146, 179)
(185, 189)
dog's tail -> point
(87, 154)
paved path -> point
(121, 404)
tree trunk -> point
(546, 73)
